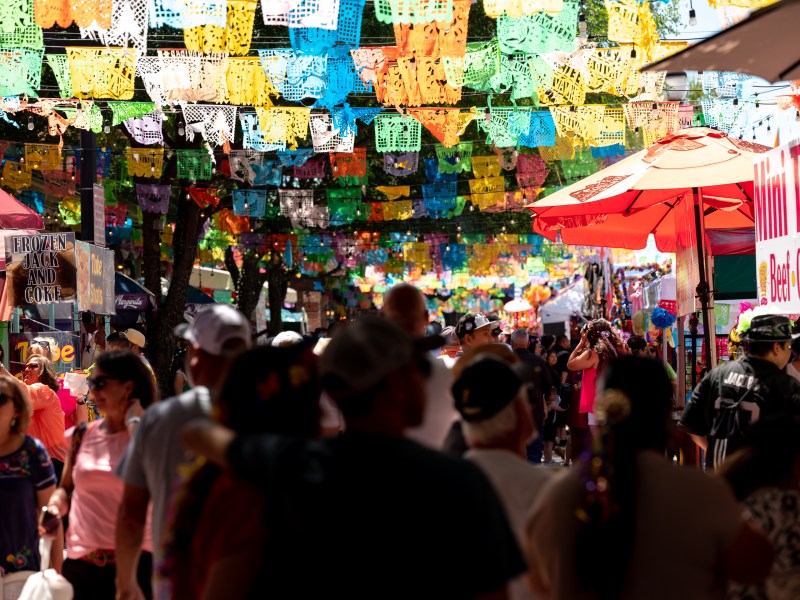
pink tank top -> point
(588, 390)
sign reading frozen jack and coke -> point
(40, 268)
(777, 224)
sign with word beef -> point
(40, 268)
(777, 223)
(95, 278)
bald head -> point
(405, 305)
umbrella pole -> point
(703, 289)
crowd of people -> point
(397, 458)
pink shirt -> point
(47, 420)
(98, 493)
(588, 390)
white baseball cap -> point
(135, 337)
(214, 327)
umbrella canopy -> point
(518, 305)
(15, 215)
(764, 45)
(622, 205)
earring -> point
(13, 422)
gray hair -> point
(519, 337)
(494, 430)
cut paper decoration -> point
(33, 200)
(193, 164)
(456, 159)
(345, 118)
(439, 198)
(326, 137)
(503, 126)
(14, 176)
(128, 26)
(567, 87)
(249, 203)
(542, 130)
(44, 157)
(295, 201)
(268, 172)
(322, 14)
(401, 164)
(146, 129)
(183, 76)
(145, 162)
(433, 174)
(254, 138)
(239, 165)
(721, 113)
(654, 119)
(397, 133)
(122, 111)
(393, 192)
(187, 13)
(59, 184)
(295, 158)
(228, 222)
(336, 42)
(295, 76)
(18, 28)
(438, 37)
(153, 198)
(582, 121)
(20, 71)
(539, 33)
(60, 67)
(349, 165)
(247, 84)
(518, 8)
(531, 170)
(312, 169)
(413, 11)
(446, 124)
(204, 197)
(631, 22)
(285, 125)
(102, 72)
(485, 166)
(63, 13)
(487, 192)
(216, 124)
(69, 210)
(232, 38)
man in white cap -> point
(136, 341)
(152, 461)
(475, 329)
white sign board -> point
(777, 221)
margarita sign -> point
(777, 212)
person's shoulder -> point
(32, 445)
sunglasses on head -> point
(99, 382)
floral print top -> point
(22, 474)
(776, 512)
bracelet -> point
(82, 402)
(133, 421)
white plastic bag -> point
(46, 584)
(11, 584)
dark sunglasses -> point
(31, 366)
(496, 332)
(43, 343)
(96, 384)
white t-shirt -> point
(440, 409)
(686, 522)
(517, 483)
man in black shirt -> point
(372, 514)
(738, 393)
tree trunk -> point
(170, 315)
(277, 294)
(248, 281)
(151, 254)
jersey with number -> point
(732, 397)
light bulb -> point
(633, 53)
(797, 116)
(106, 128)
(30, 123)
(181, 129)
(582, 33)
(736, 102)
(692, 17)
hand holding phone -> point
(49, 521)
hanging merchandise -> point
(401, 164)
(69, 210)
(102, 72)
(153, 198)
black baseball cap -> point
(769, 328)
(486, 386)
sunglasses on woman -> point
(98, 383)
(30, 366)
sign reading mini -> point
(777, 223)
(40, 268)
